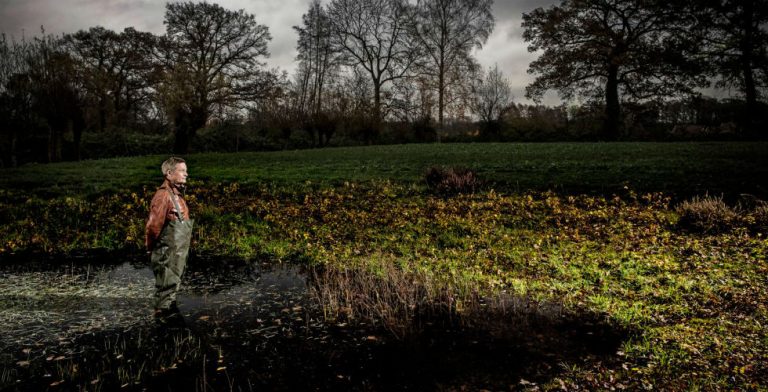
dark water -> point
(251, 326)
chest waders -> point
(169, 257)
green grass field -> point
(679, 168)
(593, 227)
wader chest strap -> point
(176, 204)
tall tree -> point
(373, 35)
(412, 99)
(212, 59)
(117, 69)
(737, 45)
(55, 83)
(319, 59)
(15, 97)
(446, 32)
(609, 49)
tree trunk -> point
(612, 108)
(181, 135)
(440, 102)
(102, 114)
(750, 91)
(78, 124)
(14, 154)
(186, 124)
(54, 143)
(376, 111)
(9, 150)
(77, 137)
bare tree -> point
(373, 36)
(446, 32)
(737, 44)
(491, 95)
(319, 60)
(317, 53)
(408, 98)
(212, 59)
(277, 111)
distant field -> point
(678, 168)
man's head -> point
(175, 170)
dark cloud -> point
(511, 9)
(510, 14)
(507, 49)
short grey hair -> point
(170, 164)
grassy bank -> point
(695, 302)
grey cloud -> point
(59, 16)
(25, 17)
(283, 45)
(506, 11)
(511, 9)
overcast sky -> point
(505, 47)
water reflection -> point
(42, 305)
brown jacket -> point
(162, 210)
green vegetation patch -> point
(678, 168)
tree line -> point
(374, 71)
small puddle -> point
(41, 304)
(245, 326)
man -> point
(168, 233)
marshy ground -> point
(75, 324)
(568, 266)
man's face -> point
(178, 176)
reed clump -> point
(707, 214)
(406, 302)
(451, 180)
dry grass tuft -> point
(707, 214)
(405, 303)
(391, 298)
(451, 180)
(759, 218)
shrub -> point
(451, 180)
(707, 215)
